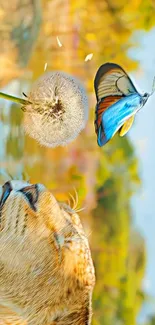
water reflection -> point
(106, 178)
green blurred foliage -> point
(151, 321)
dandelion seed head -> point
(58, 110)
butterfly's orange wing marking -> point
(102, 106)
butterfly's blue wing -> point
(116, 115)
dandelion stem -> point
(13, 98)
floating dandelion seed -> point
(56, 109)
(88, 57)
(58, 41)
(45, 66)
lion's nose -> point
(6, 189)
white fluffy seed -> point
(58, 41)
(88, 57)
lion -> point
(46, 270)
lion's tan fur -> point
(46, 270)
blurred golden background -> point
(58, 35)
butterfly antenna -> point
(153, 87)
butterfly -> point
(117, 102)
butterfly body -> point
(117, 102)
